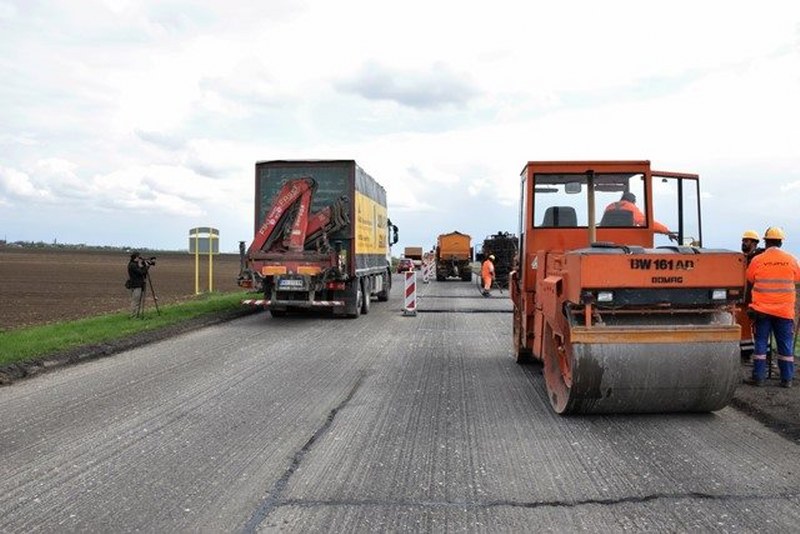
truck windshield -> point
(560, 200)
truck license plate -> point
(291, 284)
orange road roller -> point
(627, 312)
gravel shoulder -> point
(774, 406)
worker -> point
(750, 247)
(487, 274)
(137, 276)
(774, 274)
(628, 203)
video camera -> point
(148, 262)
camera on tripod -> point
(150, 261)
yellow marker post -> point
(211, 263)
(203, 240)
(196, 264)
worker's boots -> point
(759, 371)
(786, 366)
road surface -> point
(385, 422)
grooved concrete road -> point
(385, 423)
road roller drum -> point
(624, 370)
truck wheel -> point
(355, 311)
(383, 296)
(365, 298)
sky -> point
(127, 123)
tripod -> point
(148, 282)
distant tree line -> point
(70, 246)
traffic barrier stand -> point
(426, 273)
(410, 303)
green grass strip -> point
(38, 341)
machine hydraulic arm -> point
(289, 223)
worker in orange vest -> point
(628, 203)
(774, 274)
(750, 249)
(487, 274)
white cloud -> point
(7, 11)
(152, 107)
(434, 86)
(18, 186)
(791, 186)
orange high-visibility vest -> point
(638, 216)
(774, 274)
(487, 269)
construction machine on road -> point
(622, 325)
(454, 255)
(322, 238)
(415, 255)
(504, 248)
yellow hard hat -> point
(751, 234)
(773, 232)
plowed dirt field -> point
(39, 286)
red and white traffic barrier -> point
(254, 302)
(297, 303)
(427, 271)
(410, 303)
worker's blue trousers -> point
(783, 330)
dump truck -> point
(503, 245)
(322, 238)
(619, 323)
(454, 256)
(415, 255)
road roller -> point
(615, 295)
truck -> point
(415, 255)
(322, 238)
(454, 256)
(503, 245)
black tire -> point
(383, 296)
(355, 311)
(272, 312)
(523, 357)
(365, 298)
